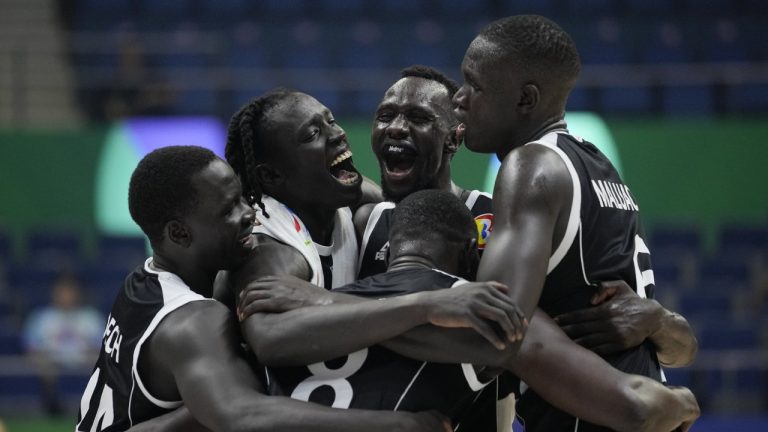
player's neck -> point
(198, 280)
(410, 261)
(319, 223)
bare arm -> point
(291, 337)
(570, 377)
(179, 420)
(621, 319)
(199, 346)
(529, 199)
(577, 381)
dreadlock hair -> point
(540, 45)
(161, 187)
(244, 145)
(430, 73)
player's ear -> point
(530, 96)
(268, 176)
(452, 141)
(178, 233)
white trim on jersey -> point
(468, 369)
(581, 256)
(373, 220)
(175, 294)
(410, 384)
(574, 217)
(285, 226)
(473, 196)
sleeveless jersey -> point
(377, 378)
(603, 241)
(375, 241)
(115, 397)
(331, 266)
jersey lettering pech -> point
(375, 241)
(603, 241)
(115, 397)
(377, 378)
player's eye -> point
(416, 118)
(384, 117)
(311, 134)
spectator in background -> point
(63, 336)
(136, 89)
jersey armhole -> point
(574, 215)
(373, 220)
(136, 377)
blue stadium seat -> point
(72, 384)
(194, 101)
(673, 239)
(580, 100)
(344, 8)
(539, 7)
(462, 8)
(649, 7)
(689, 100)
(283, 7)
(720, 336)
(678, 376)
(743, 240)
(19, 385)
(122, 252)
(728, 275)
(615, 100)
(747, 98)
(54, 249)
(100, 285)
(592, 7)
(666, 272)
(418, 42)
(31, 284)
(217, 11)
(705, 302)
(10, 342)
(665, 43)
(710, 7)
(725, 42)
(363, 46)
(177, 8)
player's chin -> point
(395, 192)
(478, 145)
(348, 194)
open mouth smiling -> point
(399, 159)
(342, 169)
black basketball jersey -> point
(375, 242)
(377, 378)
(603, 241)
(115, 397)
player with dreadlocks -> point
(296, 165)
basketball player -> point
(414, 140)
(564, 220)
(372, 376)
(296, 165)
(274, 350)
(166, 343)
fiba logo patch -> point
(484, 224)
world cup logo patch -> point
(484, 224)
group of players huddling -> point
(333, 310)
